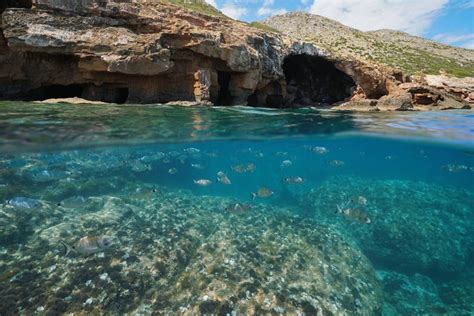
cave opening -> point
(122, 95)
(27, 4)
(270, 96)
(315, 81)
(224, 96)
(54, 92)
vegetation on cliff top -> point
(200, 6)
(409, 53)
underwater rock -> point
(18, 218)
(410, 295)
(417, 294)
(177, 252)
(415, 227)
(266, 263)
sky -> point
(446, 21)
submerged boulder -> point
(267, 263)
(178, 253)
(415, 227)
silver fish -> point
(286, 163)
(238, 208)
(153, 157)
(174, 153)
(262, 193)
(144, 193)
(138, 166)
(337, 163)
(172, 171)
(457, 168)
(222, 178)
(319, 150)
(353, 214)
(192, 150)
(198, 166)
(73, 202)
(88, 245)
(203, 182)
(21, 202)
(294, 180)
(361, 200)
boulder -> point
(415, 227)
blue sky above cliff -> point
(447, 21)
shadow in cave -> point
(122, 96)
(104, 93)
(54, 92)
(315, 81)
(27, 4)
(224, 97)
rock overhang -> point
(161, 53)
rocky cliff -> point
(146, 51)
(411, 54)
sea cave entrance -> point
(104, 93)
(55, 92)
(314, 81)
(224, 96)
(27, 4)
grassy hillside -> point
(200, 6)
(397, 49)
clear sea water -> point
(320, 213)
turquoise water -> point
(298, 212)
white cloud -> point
(450, 38)
(414, 17)
(469, 45)
(461, 40)
(467, 4)
(267, 9)
(234, 11)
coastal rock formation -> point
(407, 226)
(125, 51)
(463, 88)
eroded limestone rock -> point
(125, 51)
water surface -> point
(321, 212)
